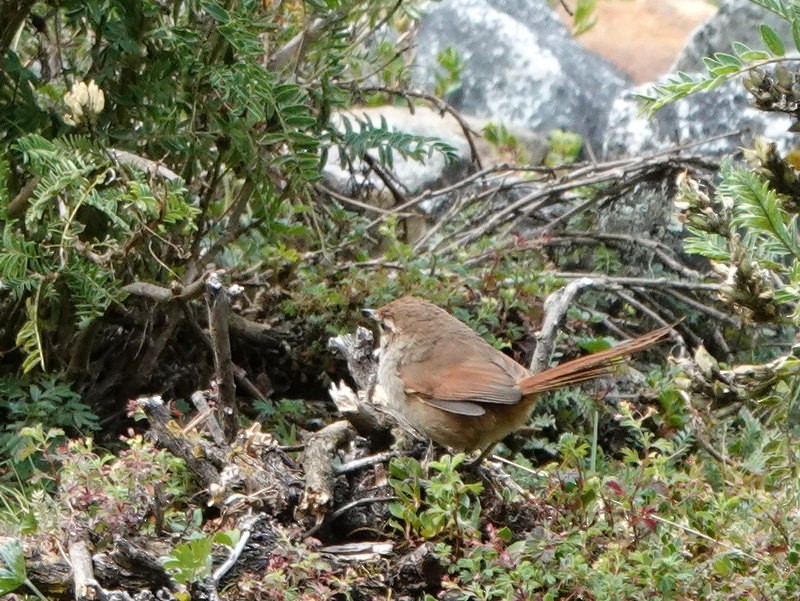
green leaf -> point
(772, 41)
(753, 56)
(796, 33)
(217, 12)
(727, 59)
(594, 345)
(584, 18)
(12, 570)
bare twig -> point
(693, 532)
(205, 413)
(161, 294)
(18, 204)
(703, 307)
(664, 283)
(664, 253)
(359, 464)
(293, 50)
(245, 528)
(387, 178)
(356, 203)
(148, 362)
(640, 307)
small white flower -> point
(81, 92)
(83, 100)
(97, 99)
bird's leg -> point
(429, 454)
(475, 463)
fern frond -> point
(354, 145)
(93, 289)
(720, 68)
(757, 208)
(17, 254)
(29, 337)
(5, 174)
(706, 244)
(779, 7)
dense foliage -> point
(143, 143)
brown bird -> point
(448, 383)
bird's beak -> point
(368, 313)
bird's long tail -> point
(588, 367)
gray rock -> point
(688, 121)
(709, 114)
(735, 21)
(522, 66)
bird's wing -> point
(459, 407)
(468, 378)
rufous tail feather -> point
(588, 367)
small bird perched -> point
(439, 376)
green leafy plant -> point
(565, 148)
(498, 135)
(583, 18)
(38, 412)
(750, 232)
(192, 561)
(281, 418)
(13, 574)
(433, 507)
(114, 493)
(448, 76)
(174, 139)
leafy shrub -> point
(29, 404)
(440, 506)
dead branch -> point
(663, 283)
(218, 298)
(555, 309)
(81, 561)
(663, 252)
(245, 527)
(154, 350)
(366, 417)
(357, 407)
(622, 173)
(318, 464)
(359, 464)
(254, 331)
(206, 414)
(293, 50)
(169, 436)
(16, 207)
(160, 294)
(359, 351)
(144, 164)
